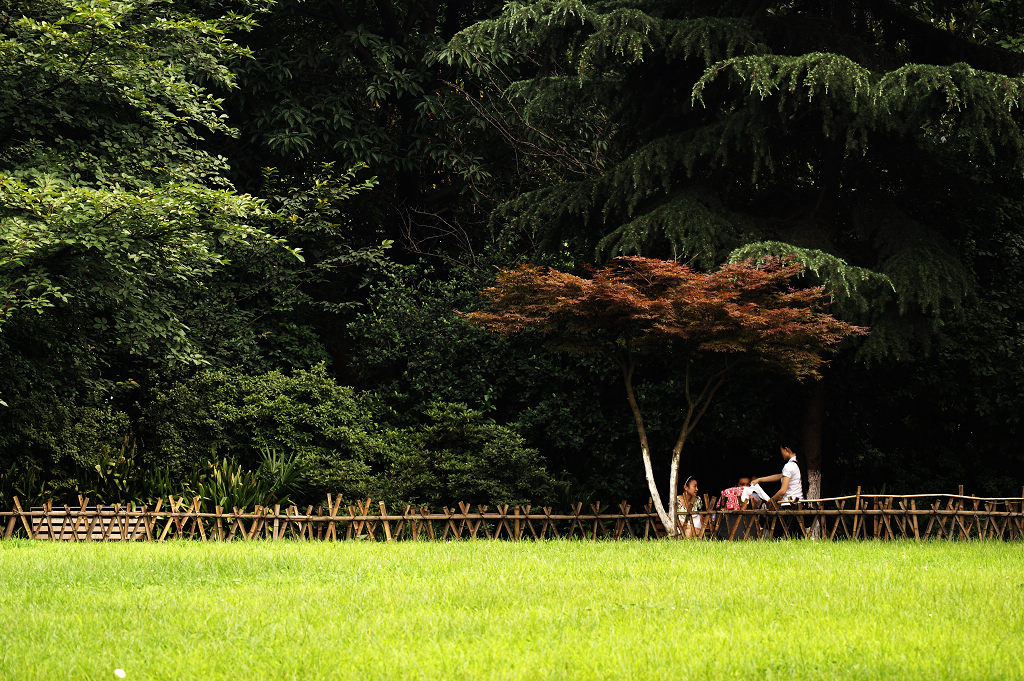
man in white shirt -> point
(791, 486)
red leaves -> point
(663, 305)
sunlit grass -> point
(505, 610)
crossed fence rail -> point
(861, 516)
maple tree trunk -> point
(645, 450)
(673, 491)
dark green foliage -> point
(224, 413)
(799, 127)
(457, 454)
(113, 93)
(413, 349)
(111, 211)
(356, 83)
(877, 141)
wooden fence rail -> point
(953, 517)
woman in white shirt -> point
(688, 508)
(791, 488)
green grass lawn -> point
(504, 610)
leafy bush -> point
(320, 427)
(50, 444)
(459, 455)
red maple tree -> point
(739, 313)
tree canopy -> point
(739, 312)
(213, 202)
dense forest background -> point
(235, 237)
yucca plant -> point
(284, 473)
(25, 482)
(227, 484)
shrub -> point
(305, 415)
(459, 455)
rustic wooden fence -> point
(861, 516)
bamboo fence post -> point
(235, 524)
(839, 520)
(257, 521)
(127, 531)
(448, 525)
(308, 525)
(220, 522)
(334, 514)
(502, 514)
(384, 521)
(175, 508)
(10, 526)
(465, 524)
(288, 523)
(958, 515)
(148, 519)
(528, 521)
(21, 514)
(886, 518)
(621, 521)
(122, 527)
(856, 516)
(976, 519)
(913, 507)
(105, 526)
(876, 520)
(482, 522)
(115, 523)
(987, 530)
(549, 522)
(400, 526)
(137, 514)
(425, 514)
(90, 521)
(735, 524)
(576, 523)
(804, 530)
(367, 523)
(83, 503)
(525, 521)
(1006, 519)
(47, 509)
(1019, 521)
(197, 521)
(412, 522)
(329, 534)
